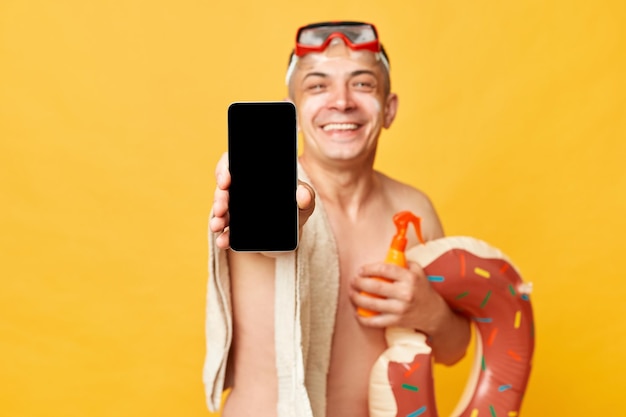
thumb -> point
(305, 197)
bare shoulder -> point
(403, 196)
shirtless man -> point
(341, 89)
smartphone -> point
(262, 156)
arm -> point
(409, 301)
(242, 294)
(449, 332)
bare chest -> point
(355, 347)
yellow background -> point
(112, 116)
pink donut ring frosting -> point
(479, 282)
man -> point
(339, 81)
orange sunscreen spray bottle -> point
(395, 254)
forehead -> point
(339, 58)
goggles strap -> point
(291, 68)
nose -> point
(341, 98)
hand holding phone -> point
(218, 223)
(262, 160)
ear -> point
(391, 108)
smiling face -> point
(343, 102)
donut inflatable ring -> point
(479, 282)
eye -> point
(315, 83)
(316, 87)
(364, 84)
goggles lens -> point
(315, 38)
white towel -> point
(307, 287)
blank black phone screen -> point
(262, 154)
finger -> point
(222, 173)
(223, 240)
(385, 270)
(377, 304)
(380, 319)
(218, 224)
(220, 202)
(221, 195)
(373, 285)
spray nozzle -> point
(402, 220)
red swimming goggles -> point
(317, 36)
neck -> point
(345, 187)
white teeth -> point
(340, 126)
